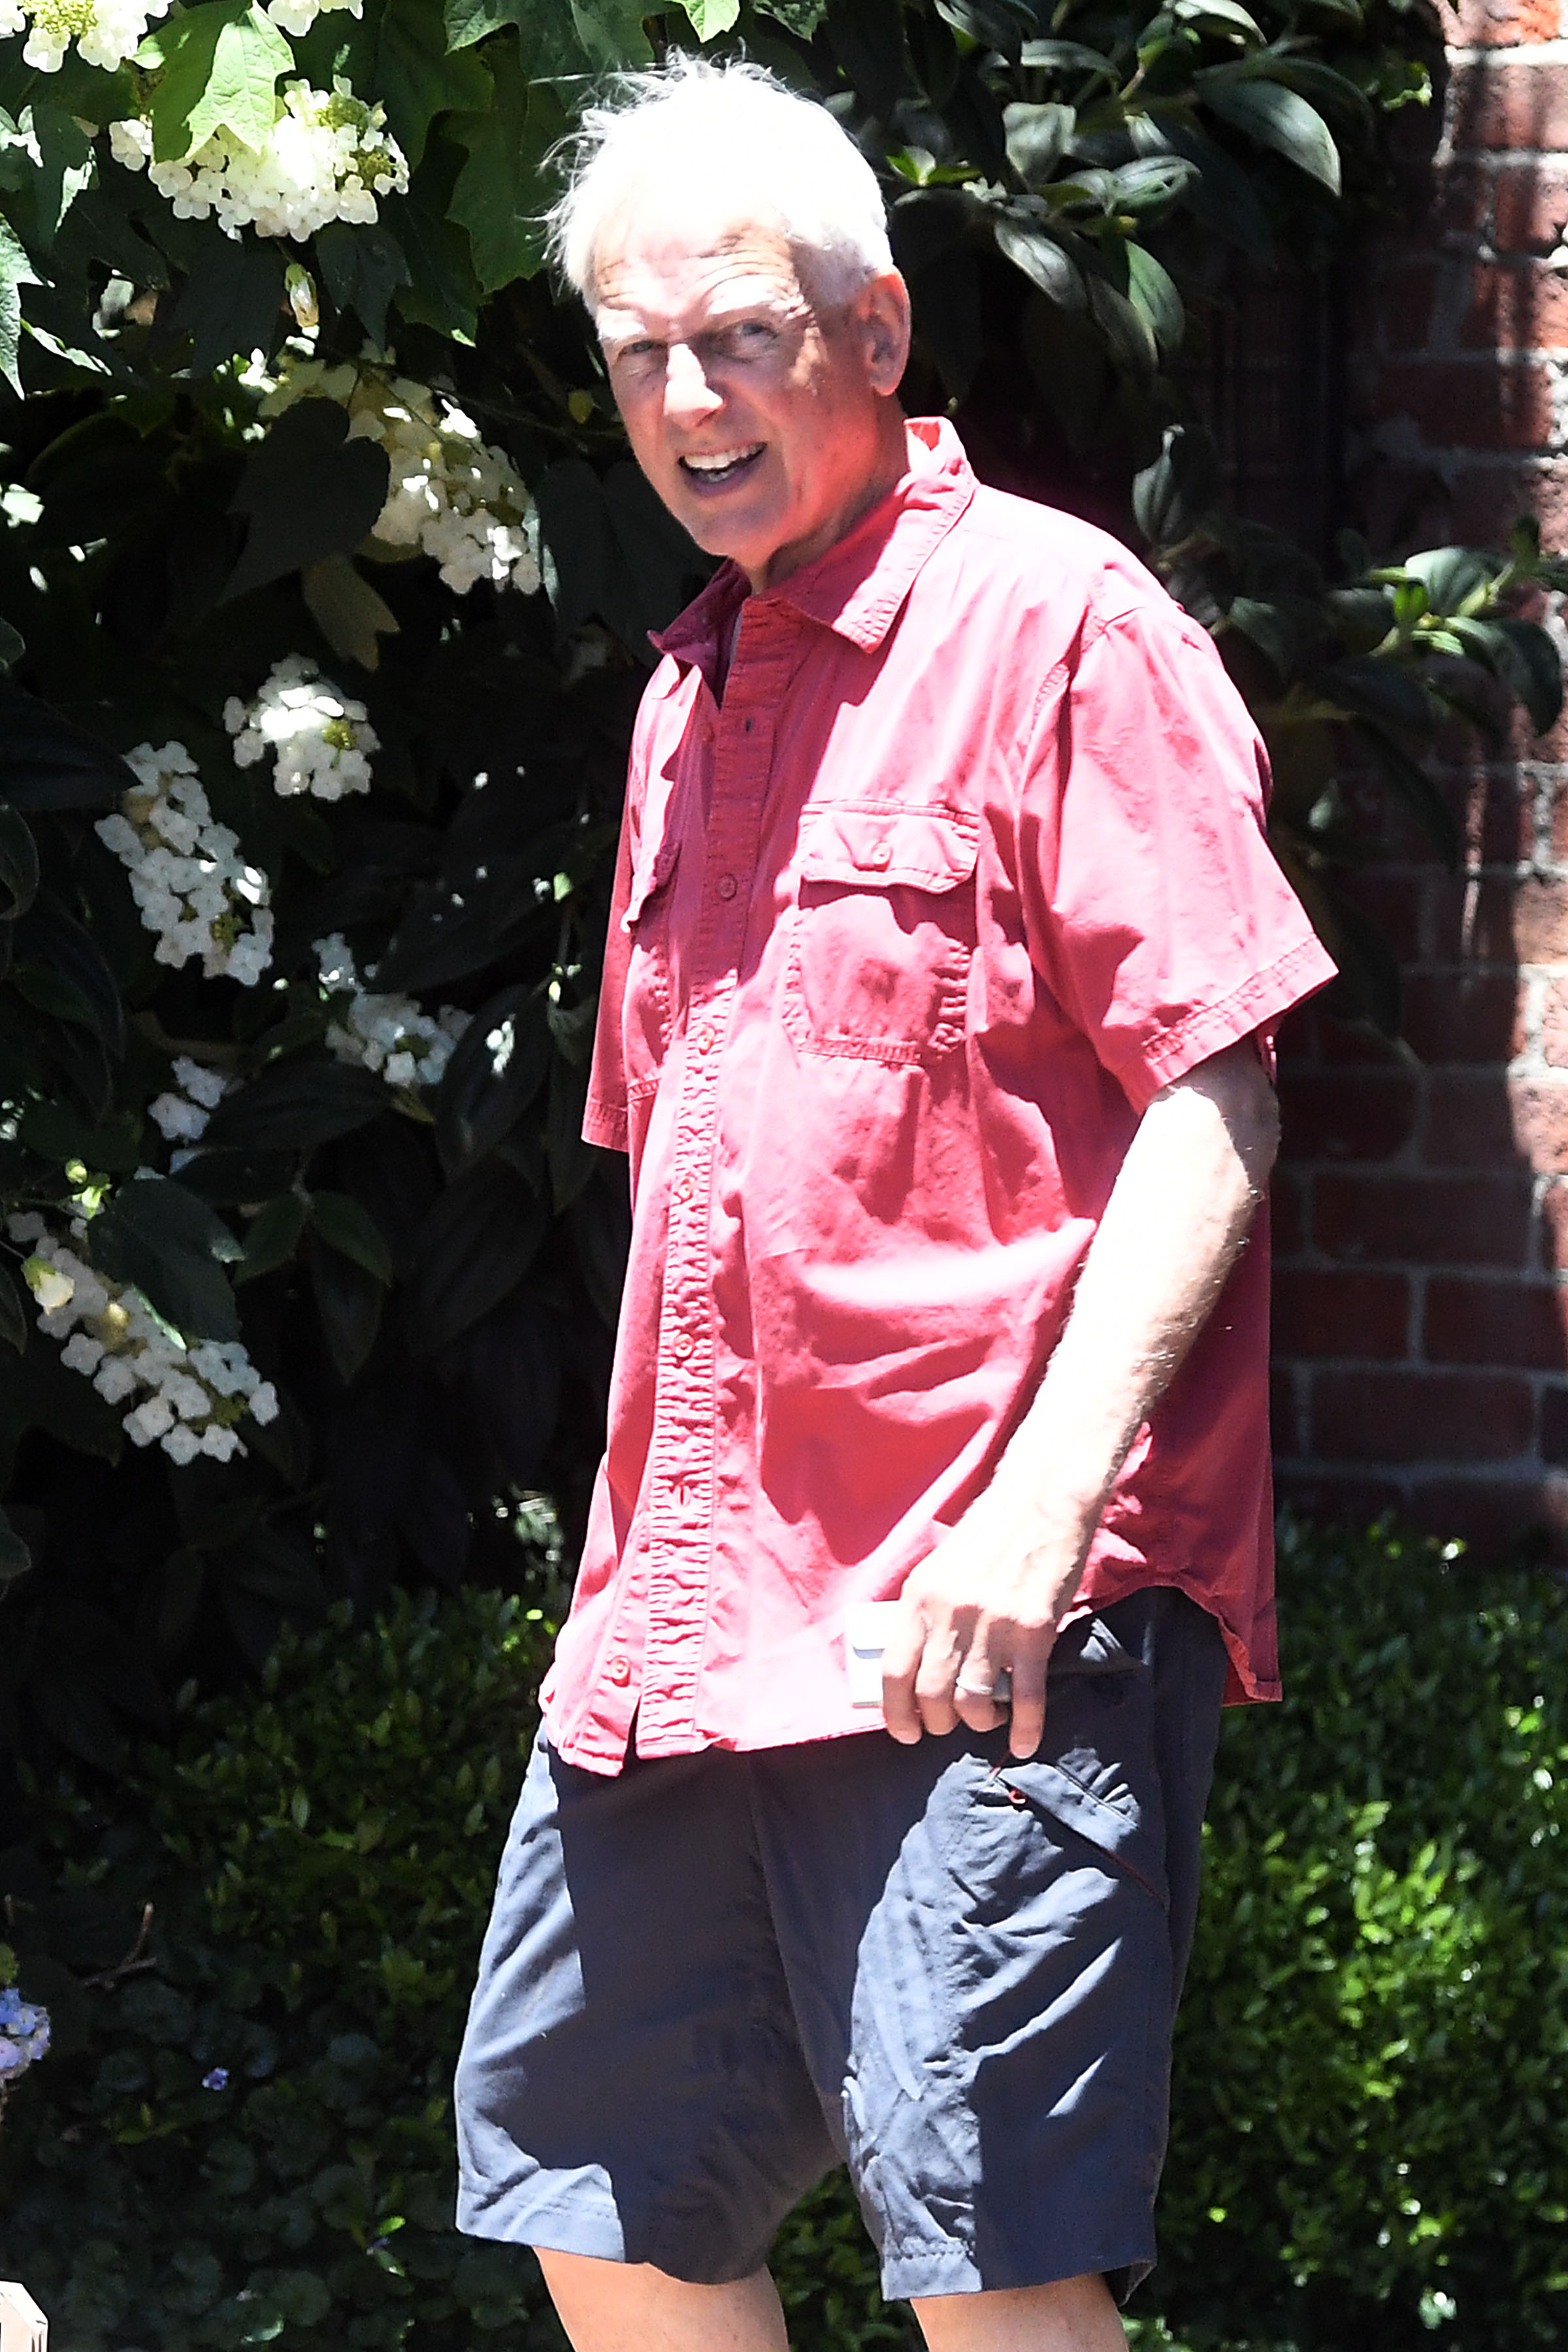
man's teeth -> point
(723, 463)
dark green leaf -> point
(1448, 574)
(18, 863)
(472, 1249)
(927, 224)
(309, 491)
(417, 78)
(868, 37)
(225, 1179)
(349, 1303)
(55, 1131)
(500, 196)
(613, 33)
(16, 271)
(468, 21)
(1152, 293)
(1171, 497)
(1066, 57)
(157, 1235)
(1152, 182)
(497, 1067)
(344, 1225)
(1276, 118)
(442, 291)
(66, 168)
(992, 23)
(273, 1233)
(1372, 687)
(1125, 329)
(295, 1106)
(232, 302)
(363, 267)
(1523, 656)
(1036, 139)
(1030, 248)
(219, 68)
(55, 945)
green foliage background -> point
(428, 1274)
(1367, 2149)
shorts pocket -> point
(882, 931)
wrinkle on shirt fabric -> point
(907, 930)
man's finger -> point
(1028, 1722)
(900, 1661)
(934, 1682)
(974, 1688)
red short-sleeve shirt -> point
(907, 930)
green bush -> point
(244, 2131)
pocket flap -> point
(931, 848)
(655, 865)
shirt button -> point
(879, 855)
(682, 1188)
(619, 1672)
(681, 1346)
(705, 1040)
(727, 885)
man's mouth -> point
(722, 465)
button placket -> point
(683, 1470)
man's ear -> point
(882, 306)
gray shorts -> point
(709, 1980)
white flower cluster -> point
(386, 1033)
(317, 736)
(188, 875)
(329, 158)
(189, 1398)
(297, 16)
(183, 1118)
(106, 31)
(451, 495)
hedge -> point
(244, 2131)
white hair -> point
(747, 128)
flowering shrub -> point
(325, 586)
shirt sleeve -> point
(1157, 913)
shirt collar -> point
(858, 586)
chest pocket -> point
(882, 931)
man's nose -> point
(688, 397)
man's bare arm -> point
(994, 1591)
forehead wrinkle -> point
(635, 293)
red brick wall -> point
(1421, 1211)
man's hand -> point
(994, 1591)
(988, 1600)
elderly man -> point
(944, 950)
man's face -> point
(763, 416)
